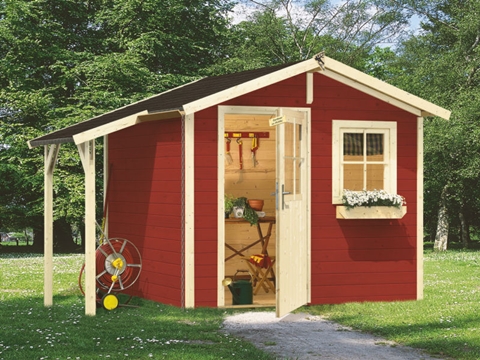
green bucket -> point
(242, 291)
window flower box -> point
(371, 212)
(376, 204)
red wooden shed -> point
(293, 135)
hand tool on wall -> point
(228, 156)
(254, 150)
(240, 152)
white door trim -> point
(253, 110)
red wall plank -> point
(145, 203)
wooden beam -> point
(189, 211)
(124, 123)
(87, 155)
(50, 158)
(108, 128)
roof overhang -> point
(124, 123)
(117, 125)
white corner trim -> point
(189, 211)
(420, 272)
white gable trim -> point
(252, 85)
(381, 89)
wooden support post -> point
(189, 212)
(87, 155)
(50, 159)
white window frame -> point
(388, 128)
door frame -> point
(251, 110)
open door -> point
(292, 202)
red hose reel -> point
(118, 265)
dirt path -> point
(303, 336)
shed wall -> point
(352, 260)
(144, 203)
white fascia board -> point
(426, 107)
(123, 123)
(252, 85)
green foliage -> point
(65, 61)
(441, 64)
(280, 33)
(229, 203)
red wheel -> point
(118, 264)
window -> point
(363, 157)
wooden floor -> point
(262, 299)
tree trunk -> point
(441, 237)
(62, 236)
(465, 230)
(38, 238)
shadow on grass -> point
(144, 330)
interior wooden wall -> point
(252, 182)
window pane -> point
(375, 147)
(353, 177)
(289, 157)
(298, 158)
(375, 174)
(352, 146)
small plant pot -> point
(238, 211)
(256, 204)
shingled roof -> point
(173, 99)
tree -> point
(286, 31)
(442, 64)
(64, 61)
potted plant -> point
(229, 203)
(241, 208)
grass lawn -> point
(28, 330)
(446, 322)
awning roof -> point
(209, 91)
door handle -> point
(276, 195)
(283, 196)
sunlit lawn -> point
(149, 330)
(446, 322)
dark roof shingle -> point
(172, 99)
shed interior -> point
(252, 177)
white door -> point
(293, 258)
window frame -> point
(388, 128)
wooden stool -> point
(261, 268)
